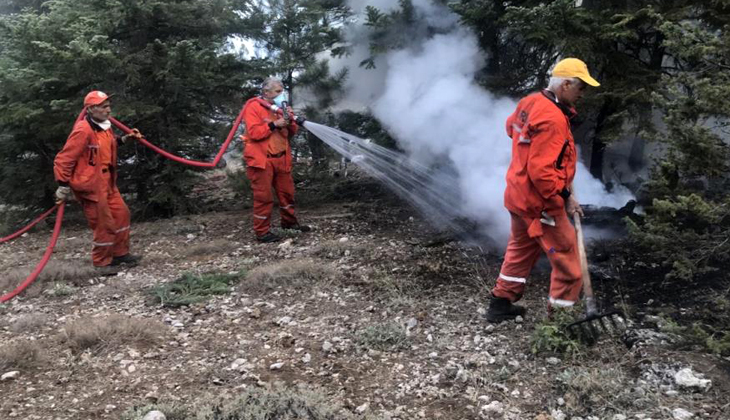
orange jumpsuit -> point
(268, 164)
(539, 177)
(87, 163)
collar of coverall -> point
(96, 126)
(568, 111)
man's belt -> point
(276, 155)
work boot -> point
(128, 260)
(106, 270)
(300, 228)
(268, 237)
(501, 309)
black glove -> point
(300, 120)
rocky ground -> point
(365, 317)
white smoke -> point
(432, 106)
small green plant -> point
(551, 336)
(388, 336)
(60, 289)
(192, 288)
(275, 401)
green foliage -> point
(166, 61)
(550, 335)
(192, 288)
(275, 401)
(686, 237)
(388, 336)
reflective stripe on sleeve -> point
(513, 279)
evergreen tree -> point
(293, 36)
(168, 64)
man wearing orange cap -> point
(539, 193)
(86, 168)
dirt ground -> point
(367, 311)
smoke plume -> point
(428, 100)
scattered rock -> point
(327, 347)
(681, 414)
(553, 360)
(494, 407)
(687, 379)
(152, 397)
(9, 376)
(411, 324)
(307, 358)
(276, 366)
(618, 417)
(558, 415)
(362, 408)
(236, 365)
(154, 415)
(519, 319)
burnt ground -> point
(368, 312)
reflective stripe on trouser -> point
(262, 181)
(559, 243)
(109, 219)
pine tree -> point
(293, 36)
(168, 64)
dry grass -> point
(28, 323)
(24, 354)
(291, 273)
(71, 272)
(215, 247)
(335, 249)
(275, 401)
(104, 333)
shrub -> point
(192, 288)
(388, 336)
(103, 333)
(291, 273)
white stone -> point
(327, 347)
(494, 407)
(558, 415)
(344, 239)
(307, 358)
(561, 401)
(276, 366)
(687, 379)
(618, 417)
(237, 363)
(7, 376)
(519, 319)
(553, 360)
(412, 323)
(155, 415)
(681, 414)
(177, 324)
(363, 408)
(433, 355)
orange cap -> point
(95, 98)
(572, 67)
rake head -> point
(590, 328)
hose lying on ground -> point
(46, 256)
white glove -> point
(64, 194)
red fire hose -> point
(169, 155)
(46, 256)
(27, 228)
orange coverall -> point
(87, 163)
(542, 168)
(268, 164)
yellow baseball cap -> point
(572, 67)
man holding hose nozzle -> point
(539, 193)
(86, 168)
(270, 125)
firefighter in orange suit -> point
(86, 168)
(268, 159)
(539, 193)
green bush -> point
(192, 288)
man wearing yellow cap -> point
(539, 193)
(86, 167)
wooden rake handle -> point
(585, 275)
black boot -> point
(268, 237)
(501, 309)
